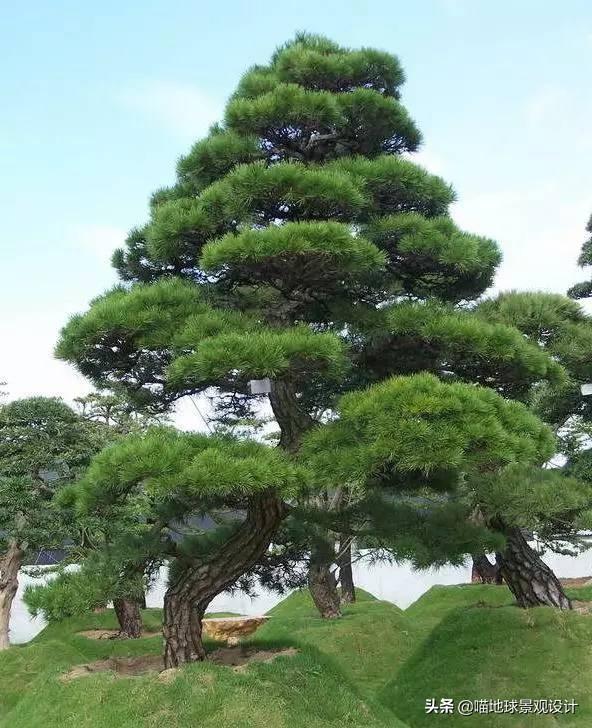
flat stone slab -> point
(231, 629)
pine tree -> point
(44, 446)
(584, 290)
(166, 481)
(300, 245)
(562, 328)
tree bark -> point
(188, 597)
(129, 618)
(346, 577)
(10, 564)
(530, 580)
(323, 589)
(484, 572)
(321, 580)
(182, 628)
(292, 420)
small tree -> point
(584, 290)
(562, 328)
(404, 431)
(43, 446)
(106, 574)
(168, 480)
(110, 571)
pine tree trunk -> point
(188, 597)
(182, 630)
(10, 565)
(129, 618)
(292, 420)
(530, 580)
(323, 589)
(346, 577)
(484, 572)
(322, 582)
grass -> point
(367, 643)
(478, 645)
(308, 689)
(374, 667)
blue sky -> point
(98, 101)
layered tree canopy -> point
(301, 244)
(563, 329)
(419, 425)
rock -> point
(168, 675)
(231, 629)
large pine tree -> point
(300, 244)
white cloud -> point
(540, 232)
(546, 104)
(28, 365)
(183, 109)
(428, 159)
(99, 239)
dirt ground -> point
(238, 658)
(109, 634)
(576, 581)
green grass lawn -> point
(374, 667)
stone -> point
(231, 629)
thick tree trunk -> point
(10, 564)
(188, 597)
(129, 618)
(321, 579)
(323, 589)
(530, 580)
(293, 423)
(346, 577)
(292, 420)
(484, 572)
(182, 630)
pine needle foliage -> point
(300, 243)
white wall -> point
(398, 584)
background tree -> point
(584, 290)
(43, 446)
(106, 574)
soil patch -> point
(581, 607)
(110, 634)
(238, 658)
(120, 666)
(576, 581)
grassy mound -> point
(479, 645)
(374, 667)
(367, 643)
(307, 689)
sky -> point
(99, 100)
